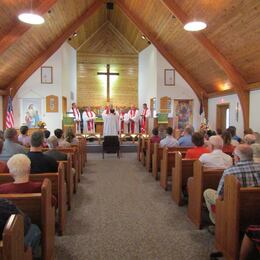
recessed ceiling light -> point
(195, 26)
(143, 37)
(31, 18)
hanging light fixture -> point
(195, 26)
(31, 17)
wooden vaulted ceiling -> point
(224, 57)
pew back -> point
(239, 209)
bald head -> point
(244, 152)
(216, 141)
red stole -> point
(75, 111)
(90, 122)
(132, 125)
(144, 120)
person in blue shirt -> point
(186, 139)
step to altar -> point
(125, 147)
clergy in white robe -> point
(110, 127)
(134, 117)
(74, 112)
(146, 113)
(123, 122)
(88, 118)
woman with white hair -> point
(216, 159)
(19, 166)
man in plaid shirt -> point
(245, 170)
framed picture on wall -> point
(169, 77)
(46, 75)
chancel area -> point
(129, 129)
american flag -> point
(9, 122)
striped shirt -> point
(247, 172)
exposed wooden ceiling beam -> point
(3, 92)
(221, 93)
(253, 86)
(20, 79)
(199, 91)
(239, 84)
(19, 28)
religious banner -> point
(52, 104)
(183, 112)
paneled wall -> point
(107, 46)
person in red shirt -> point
(155, 138)
(199, 149)
(19, 167)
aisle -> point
(120, 212)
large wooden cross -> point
(108, 74)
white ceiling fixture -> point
(31, 17)
(195, 26)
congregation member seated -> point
(2, 135)
(186, 139)
(53, 152)
(256, 148)
(216, 158)
(11, 145)
(250, 247)
(199, 149)
(227, 147)
(235, 140)
(245, 170)
(59, 134)
(3, 166)
(169, 140)
(155, 138)
(248, 131)
(46, 134)
(219, 131)
(23, 138)
(40, 162)
(70, 136)
(32, 233)
(249, 139)
(19, 166)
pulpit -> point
(68, 122)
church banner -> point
(183, 112)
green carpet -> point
(120, 212)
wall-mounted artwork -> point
(183, 112)
(31, 111)
(46, 75)
(169, 77)
(52, 104)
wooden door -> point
(64, 105)
(222, 116)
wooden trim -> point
(20, 79)
(199, 91)
(253, 86)
(3, 92)
(240, 85)
(18, 28)
(221, 93)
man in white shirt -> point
(74, 112)
(169, 140)
(110, 123)
(146, 113)
(134, 117)
(88, 118)
(216, 159)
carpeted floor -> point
(120, 212)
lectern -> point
(67, 122)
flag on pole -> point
(9, 122)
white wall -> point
(147, 75)
(151, 82)
(254, 118)
(232, 100)
(64, 81)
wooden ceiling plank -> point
(20, 79)
(239, 84)
(199, 91)
(3, 92)
(19, 28)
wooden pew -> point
(78, 154)
(239, 209)
(12, 246)
(58, 190)
(203, 178)
(167, 163)
(38, 206)
(139, 148)
(156, 158)
(83, 146)
(149, 153)
(143, 150)
(180, 173)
